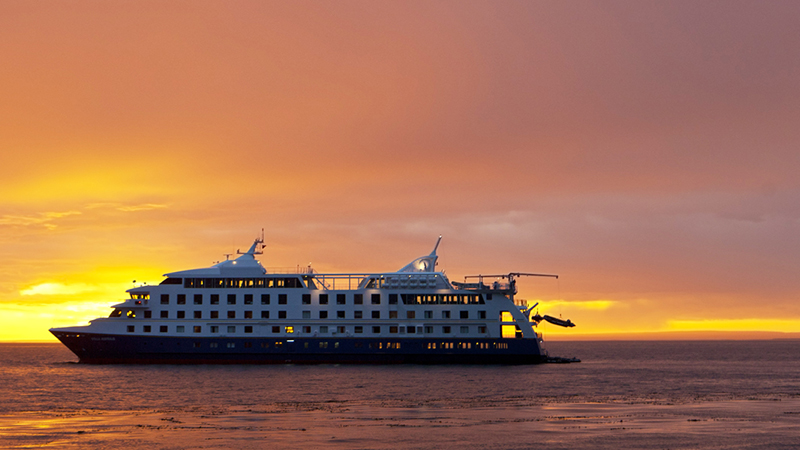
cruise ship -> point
(237, 312)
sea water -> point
(644, 395)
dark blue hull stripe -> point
(121, 349)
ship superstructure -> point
(238, 312)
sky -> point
(647, 152)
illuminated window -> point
(506, 316)
(323, 344)
(289, 329)
(508, 331)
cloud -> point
(44, 219)
(55, 288)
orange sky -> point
(645, 151)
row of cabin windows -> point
(341, 299)
(373, 345)
(306, 314)
(358, 329)
(220, 283)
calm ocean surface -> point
(648, 395)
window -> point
(358, 329)
(165, 314)
(281, 314)
(357, 314)
(179, 329)
(148, 314)
(196, 344)
(464, 329)
(341, 299)
(411, 330)
(163, 328)
(429, 329)
(445, 314)
(358, 299)
(198, 299)
(446, 330)
(482, 329)
(265, 314)
(231, 299)
(323, 299)
(276, 329)
(198, 314)
(429, 314)
(248, 314)
(411, 314)
(215, 314)
(213, 345)
(231, 328)
(463, 314)
(323, 314)
(376, 314)
(393, 314)
(248, 299)
(323, 329)
(214, 329)
(376, 299)
(393, 329)
(265, 299)
(181, 314)
(231, 314)
(288, 329)
(376, 329)
(165, 299)
(197, 329)
(146, 328)
(306, 329)
(392, 299)
(248, 329)
(306, 314)
(306, 299)
(214, 299)
(340, 330)
(340, 314)
(281, 299)
(181, 299)
(481, 314)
